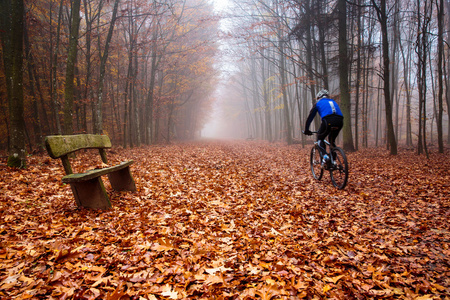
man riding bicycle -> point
(332, 119)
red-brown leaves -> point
(230, 221)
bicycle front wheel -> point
(316, 166)
(339, 170)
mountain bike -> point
(336, 163)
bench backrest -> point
(59, 146)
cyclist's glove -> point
(307, 132)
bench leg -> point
(122, 180)
(91, 194)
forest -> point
(149, 72)
(385, 61)
(169, 82)
(138, 71)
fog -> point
(270, 74)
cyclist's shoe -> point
(325, 161)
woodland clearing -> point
(230, 220)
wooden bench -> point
(88, 188)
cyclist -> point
(332, 119)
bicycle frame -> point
(324, 150)
(334, 164)
(330, 155)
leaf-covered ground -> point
(222, 220)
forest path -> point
(231, 219)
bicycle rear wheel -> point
(316, 166)
(339, 171)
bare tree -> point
(383, 19)
(423, 17)
(440, 67)
(98, 111)
(69, 89)
(343, 76)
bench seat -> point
(91, 174)
(87, 187)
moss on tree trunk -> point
(14, 33)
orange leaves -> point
(231, 220)
(162, 245)
(333, 279)
(168, 292)
(117, 293)
(213, 279)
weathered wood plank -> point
(91, 194)
(91, 174)
(122, 180)
(59, 145)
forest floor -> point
(230, 220)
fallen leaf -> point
(168, 292)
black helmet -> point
(321, 94)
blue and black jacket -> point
(325, 107)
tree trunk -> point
(343, 76)
(394, 63)
(54, 94)
(37, 127)
(88, 91)
(12, 27)
(98, 124)
(137, 125)
(358, 74)
(259, 128)
(422, 46)
(70, 68)
(440, 67)
(377, 124)
(149, 104)
(287, 121)
(266, 97)
(382, 18)
(309, 64)
(447, 94)
(406, 73)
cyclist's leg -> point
(321, 135)
(335, 123)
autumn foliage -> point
(222, 220)
(151, 82)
